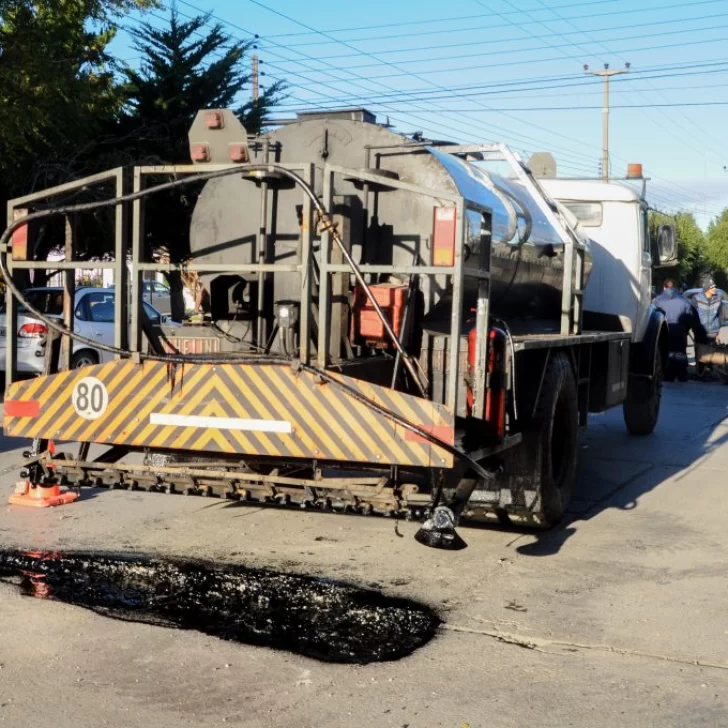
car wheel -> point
(84, 358)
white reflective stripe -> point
(221, 423)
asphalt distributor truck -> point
(392, 326)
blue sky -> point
(512, 70)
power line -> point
(357, 76)
(501, 110)
(441, 21)
(603, 44)
(636, 75)
(363, 53)
(283, 15)
(624, 60)
(484, 54)
(505, 64)
(459, 93)
(501, 40)
(348, 81)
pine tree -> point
(186, 66)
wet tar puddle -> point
(322, 619)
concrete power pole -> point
(256, 90)
(606, 74)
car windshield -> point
(100, 305)
(152, 313)
(101, 308)
(47, 301)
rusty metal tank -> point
(383, 226)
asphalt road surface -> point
(618, 618)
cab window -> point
(589, 214)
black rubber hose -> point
(90, 206)
(173, 359)
(482, 472)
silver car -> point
(93, 319)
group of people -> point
(703, 315)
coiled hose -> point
(326, 224)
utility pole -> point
(606, 74)
(255, 78)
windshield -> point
(47, 301)
(152, 314)
(589, 214)
(98, 305)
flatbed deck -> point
(523, 342)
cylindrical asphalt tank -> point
(387, 226)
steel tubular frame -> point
(128, 234)
(116, 175)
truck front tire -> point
(641, 407)
(548, 453)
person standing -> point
(712, 308)
(680, 317)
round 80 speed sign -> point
(90, 398)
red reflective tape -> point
(19, 237)
(22, 408)
(441, 432)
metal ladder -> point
(572, 297)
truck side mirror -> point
(666, 246)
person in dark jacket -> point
(712, 308)
(681, 318)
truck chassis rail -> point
(363, 493)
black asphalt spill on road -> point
(318, 618)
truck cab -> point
(614, 217)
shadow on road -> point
(616, 469)
(8, 444)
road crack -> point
(540, 644)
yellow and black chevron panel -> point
(247, 409)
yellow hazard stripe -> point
(195, 376)
(120, 377)
(310, 446)
(152, 379)
(260, 408)
(325, 445)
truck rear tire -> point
(641, 407)
(548, 453)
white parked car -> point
(93, 319)
(160, 297)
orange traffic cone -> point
(39, 496)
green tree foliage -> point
(717, 248)
(56, 86)
(186, 66)
(57, 95)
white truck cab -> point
(614, 217)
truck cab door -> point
(645, 275)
